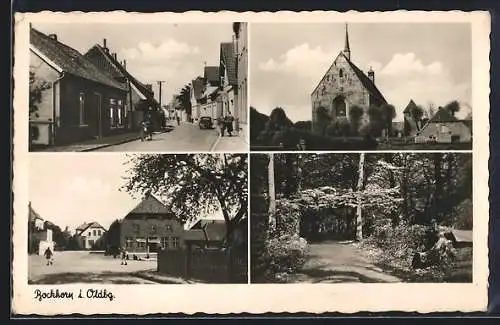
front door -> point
(95, 115)
(98, 108)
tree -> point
(37, 86)
(184, 100)
(452, 107)
(193, 182)
(388, 114)
(359, 217)
(272, 192)
(355, 114)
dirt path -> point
(335, 262)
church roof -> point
(367, 83)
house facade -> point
(197, 87)
(39, 236)
(443, 127)
(210, 104)
(80, 102)
(140, 97)
(90, 235)
(228, 96)
(241, 113)
(344, 85)
(150, 226)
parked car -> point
(206, 122)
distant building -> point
(80, 102)
(443, 127)
(343, 86)
(411, 125)
(241, 113)
(90, 235)
(140, 97)
(197, 88)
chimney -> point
(371, 75)
(53, 36)
(105, 45)
(125, 64)
(114, 56)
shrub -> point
(288, 216)
(285, 253)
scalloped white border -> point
(259, 298)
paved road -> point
(84, 267)
(186, 137)
(335, 262)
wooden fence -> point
(208, 265)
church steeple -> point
(347, 48)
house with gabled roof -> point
(77, 98)
(89, 235)
(150, 226)
(140, 97)
(229, 81)
(39, 235)
(343, 86)
(197, 89)
(444, 127)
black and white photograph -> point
(141, 219)
(361, 217)
(361, 86)
(138, 87)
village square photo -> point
(136, 87)
(138, 219)
(361, 86)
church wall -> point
(332, 86)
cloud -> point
(301, 60)
(408, 64)
(85, 187)
(167, 50)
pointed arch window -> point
(341, 73)
(339, 106)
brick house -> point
(149, 227)
(81, 99)
(443, 127)
(140, 97)
(90, 235)
(341, 87)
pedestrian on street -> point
(229, 123)
(221, 125)
(178, 120)
(48, 256)
(124, 256)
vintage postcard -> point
(293, 162)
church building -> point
(344, 85)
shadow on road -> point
(101, 277)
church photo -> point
(361, 86)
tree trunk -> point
(272, 192)
(392, 183)
(359, 218)
(438, 179)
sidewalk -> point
(153, 275)
(98, 143)
(229, 144)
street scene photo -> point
(361, 86)
(138, 87)
(361, 217)
(138, 219)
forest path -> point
(341, 261)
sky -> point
(427, 62)
(70, 189)
(175, 53)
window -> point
(116, 113)
(164, 242)
(94, 232)
(91, 243)
(136, 227)
(82, 109)
(90, 233)
(141, 242)
(341, 73)
(129, 242)
(154, 229)
(98, 232)
(175, 242)
(168, 228)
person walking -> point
(178, 119)
(48, 256)
(229, 123)
(221, 125)
(124, 256)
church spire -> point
(347, 48)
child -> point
(48, 255)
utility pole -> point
(160, 82)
